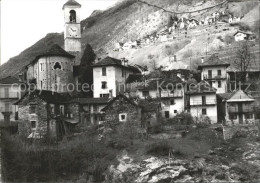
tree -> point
(85, 70)
(244, 59)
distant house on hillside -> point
(243, 35)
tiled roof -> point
(109, 61)
(9, 80)
(163, 83)
(240, 96)
(90, 100)
(149, 105)
(201, 88)
(71, 3)
(55, 50)
(213, 60)
(47, 96)
(244, 32)
(119, 96)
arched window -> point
(72, 16)
(57, 66)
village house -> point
(140, 114)
(240, 108)
(214, 71)
(122, 110)
(109, 76)
(10, 91)
(90, 110)
(242, 35)
(45, 114)
(202, 101)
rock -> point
(211, 152)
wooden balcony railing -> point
(9, 95)
(213, 77)
(244, 109)
(202, 103)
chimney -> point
(175, 58)
(202, 60)
(20, 77)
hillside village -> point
(65, 93)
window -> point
(203, 100)
(6, 92)
(41, 66)
(103, 84)
(219, 84)
(232, 116)
(167, 114)
(72, 16)
(204, 111)
(32, 109)
(219, 72)
(52, 109)
(210, 83)
(33, 125)
(123, 73)
(175, 111)
(57, 66)
(104, 95)
(145, 93)
(62, 109)
(104, 71)
(122, 117)
(209, 73)
(249, 116)
(172, 102)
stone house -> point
(45, 114)
(109, 76)
(214, 71)
(10, 91)
(122, 110)
(202, 101)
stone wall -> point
(230, 131)
(40, 116)
(120, 106)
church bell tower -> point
(72, 33)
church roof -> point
(9, 80)
(213, 60)
(71, 3)
(109, 61)
(54, 50)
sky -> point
(24, 22)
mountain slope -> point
(131, 20)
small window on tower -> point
(72, 16)
(57, 66)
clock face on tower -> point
(73, 31)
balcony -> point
(214, 77)
(6, 109)
(9, 95)
(244, 109)
(208, 102)
(175, 94)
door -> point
(240, 113)
(7, 107)
(6, 91)
(203, 100)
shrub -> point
(243, 26)
(229, 39)
(156, 128)
(185, 118)
(159, 149)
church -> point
(45, 110)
